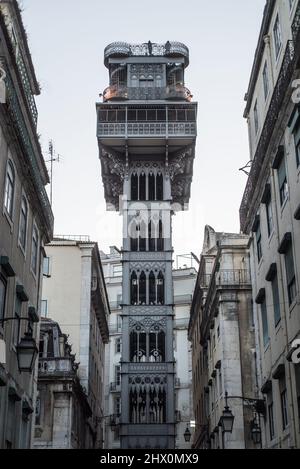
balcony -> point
(248, 207)
(27, 88)
(115, 387)
(57, 366)
(143, 129)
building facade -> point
(183, 283)
(62, 407)
(223, 341)
(26, 224)
(146, 135)
(270, 214)
(74, 295)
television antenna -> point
(53, 157)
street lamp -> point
(26, 353)
(255, 432)
(227, 418)
(187, 435)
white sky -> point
(67, 39)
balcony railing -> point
(27, 88)
(17, 117)
(159, 129)
(286, 73)
(56, 365)
(124, 49)
(233, 277)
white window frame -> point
(35, 229)
(10, 165)
(277, 37)
(23, 248)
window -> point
(117, 406)
(297, 144)
(44, 308)
(266, 80)
(119, 300)
(282, 182)
(265, 326)
(269, 212)
(46, 267)
(290, 273)
(2, 297)
(119, 323)
(117, 270)
(256, 121)
(118, 375)
(291, 3)
(9, 189)
(276, 300)
(284, 403)
(147, 346)
(34, 250)
(271, 420)
(258, 243)
(297, 376)
(118, 345)
(23, 223)
(277, 36)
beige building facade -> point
(74, 295)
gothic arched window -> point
(160, 288)
(157, 340)
(159, 187)
(134, 289)
(134, 230)
(160, 239)
(142, 289)
(142, 236)
(138, 345)
(142, 186)
(151, 236)
(152, 289)
(134, 187)
(151, 186)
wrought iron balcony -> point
(15, 111)
(58, 366)
(247, 209)
(27, 88)
(115, 387)
(233, 277)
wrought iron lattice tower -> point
(147, 133)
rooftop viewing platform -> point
(150, 49)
